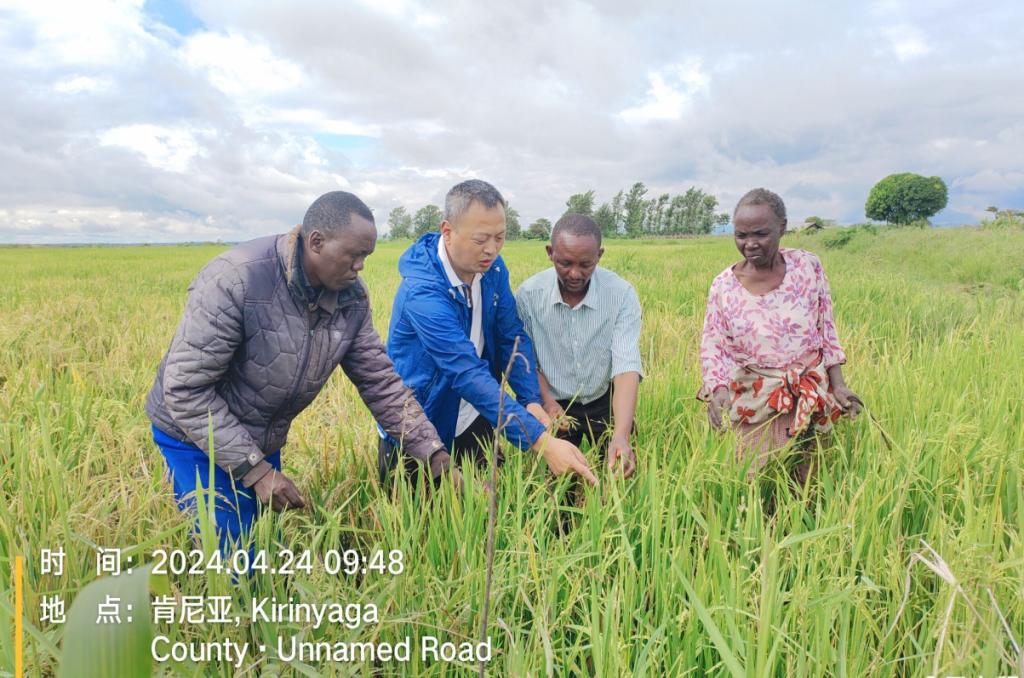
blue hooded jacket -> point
(428, 341)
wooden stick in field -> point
(493, 493)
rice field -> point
(905, 559)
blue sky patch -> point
(173, 13)
(360, 149)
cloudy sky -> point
(181, 120)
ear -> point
(446, 229)
(782, 227)
(600, 253)
(316, 241)
(551, 254)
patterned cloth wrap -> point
(761, 394)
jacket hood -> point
(421, 260)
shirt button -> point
(253, 458)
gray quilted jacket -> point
(251, 352)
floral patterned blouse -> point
(770, 330)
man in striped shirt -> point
(584, 321)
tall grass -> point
(677, 571)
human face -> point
(475, 239)
(757, 232)
(575, 258)
(335, 263)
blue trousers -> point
(235, 508)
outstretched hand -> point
(277, 490)
(564, 457)
(848, 401)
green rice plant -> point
(122, 649)
(677, 571)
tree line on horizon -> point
(629, 214)
(899, 200)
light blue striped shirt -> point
(580, 350)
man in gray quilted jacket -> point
(264, 327)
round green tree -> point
(906, 197)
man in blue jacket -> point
(453, 327)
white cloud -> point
(404, 10)
(138, 129)
(39, 224)
(671, 93)
(166, 148)
(241, 67)
(84, 34)
(394, 8)
(907, 42)
(80, 84)
(989, 179)
(312, 120)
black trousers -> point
(593, 420)
(472, 445)
(593, 424)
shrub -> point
(906, 198)
(840, 238)
(1004, 219)
(843, 236)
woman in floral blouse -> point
(770, 358)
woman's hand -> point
(718, 407)
(848, 401)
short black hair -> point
(762, 196)
(332, 212)
(576, 224)
(464, 194)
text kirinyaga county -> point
(298, 648)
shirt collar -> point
(328, 301)
(590, 299)
(453, 278)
